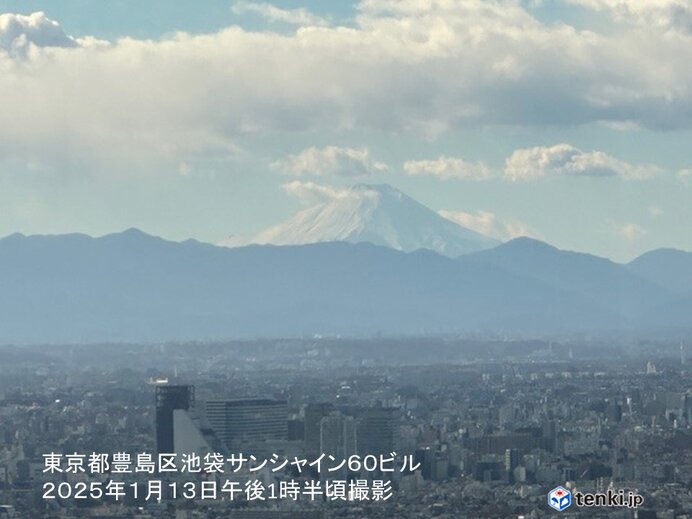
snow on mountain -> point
(378, 214)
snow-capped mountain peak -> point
(379, 214)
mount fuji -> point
(377, 214)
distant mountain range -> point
(377, 214)
(669, 268)
(134, 287)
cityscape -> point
(356, 259)
(489, 427)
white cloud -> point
(421, 67)
(18, 33)
(311, 193)
(663, 14)
(448, 168)
(655, 211)
(488, 224)
(272, 13)
(685, 174)
(630, 231)
(330, 160)
(565, 159)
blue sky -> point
(570, 121)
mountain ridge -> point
(669, 268)
(134, 287)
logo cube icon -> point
(559, 498)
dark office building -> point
(314, 413)
(168, 399)
(377, 430)
(512, 459)
(252, 420)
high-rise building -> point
(512, 462)
(236, 422)
(168, 399)
(613, 411)
(377, 430)
(192, 435)
(512, 459)
(338, 435)
(314, 413)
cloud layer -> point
(272, 13)
(330, 160)
(565, 159)
(421, 67)
(534, 163)
(18, 33)
(311, 193)
(674, 15)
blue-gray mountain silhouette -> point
(134, 287)
(669, 268)
(607, 284)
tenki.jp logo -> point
(559, 498)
